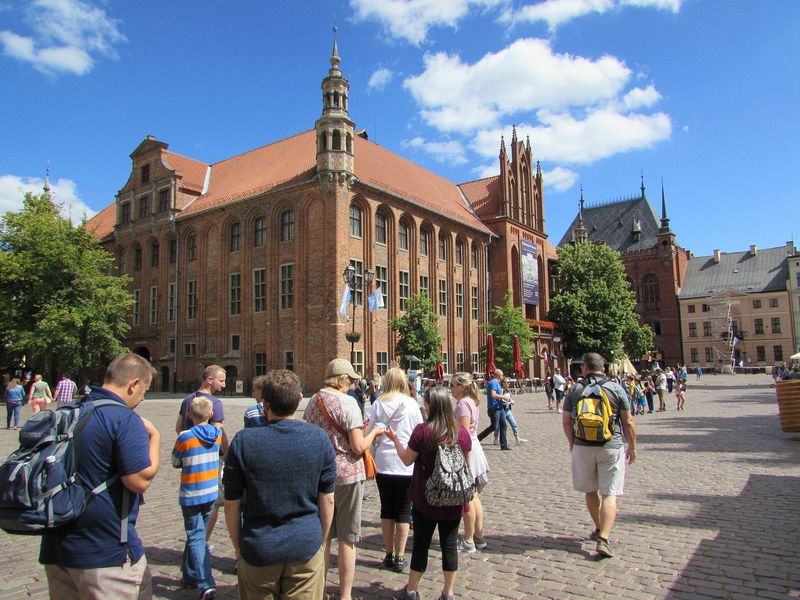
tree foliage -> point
(61, 310)
(595, 306)
(508, 321)
(418, 333)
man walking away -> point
(497, 416)
(86, 560)
(288, 469)
(65, 389)
(598, 468)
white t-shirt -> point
(401, 413)
(559, 382)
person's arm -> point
(407, 455)
(233, 519)
(566, 423)
(179, 424)
(360, 443)
(629, 430)
(30, 394)
(225, 443)
(325, 504)
(464, 421)
(140, 481)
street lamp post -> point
(356, 285)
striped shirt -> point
(196, 453)
(65, 390)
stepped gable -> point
(766, 271)
(612, 223)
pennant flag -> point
(735, 341)
(345, 301)
(371, 302)
(375, 299)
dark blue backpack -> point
(40, 488)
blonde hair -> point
(337, 381)
(394, 382)
(469, 384)
(201, 408)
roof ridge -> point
(620, 200)
(261, 147)
(479, 179)
(187, 157)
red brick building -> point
(653, 260)
(240, 262)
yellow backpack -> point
(593, 415)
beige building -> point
(794, 294)
(736, 309)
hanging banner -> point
(530, 273)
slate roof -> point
(612, 223)
(767, 271)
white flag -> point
(378, 295)
(345, 301)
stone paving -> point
(711, 510)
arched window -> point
(380, 228)
(236, 237)
(349, 143)
(424, 242)
(191, 247)
(473, 256)
(355, 221)
(650, 292)
(337, 140)
(137, 258)
(121, 261)
(442, 246)
(259, 232)
(287, 226)
(459, 252)
(154, 254)
(402, 235)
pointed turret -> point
(664, 220)
(579, 231)
(502, 146)
(643, 188)
(335, 129)
(528, 143)
(46, 188)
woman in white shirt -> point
(395, 409)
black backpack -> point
(40, 488)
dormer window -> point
(145, 174)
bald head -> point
(498, 374)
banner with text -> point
(530, 273)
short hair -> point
(127, 367)
(394, 382)
(282, 390)
(65, 375)
(337, 381)
(201, 408)
(258, 382)
(211, 371)
(593, 361)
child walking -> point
(680, 393)
(196, 453)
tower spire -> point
(502, 146)
(46, 187)
(643, 188)
(579, 232)
(664, 219)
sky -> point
(703, 95)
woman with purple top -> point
(440, 428)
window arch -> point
(137, 257)
(356, 219)
(443, 239)
(122, 261)
(287, 226)
(259, 232)
(154, 248)
(380, 228)
(236, 237)
(402, 235)
(650, 289)
(337, 140)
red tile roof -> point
(102, 224)
(193, 171)
(483, 194)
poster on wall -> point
(530, 273)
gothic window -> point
(650, 291)
(236, 237)
(380, 228)
(403, 236)
(287, 226)
(424, 238)
(355, 221)
(259, 232)
(337, 140)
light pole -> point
(355, 284)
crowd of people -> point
(283, 515)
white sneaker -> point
(560, 411)
(521, 440)
(464, 546)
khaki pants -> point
(128, 582)
(299, 580)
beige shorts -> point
(127, 582)
(346, 525)
(595, 468)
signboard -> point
(530, 273)
(239, 386)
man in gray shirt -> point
(598, 468)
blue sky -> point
(701, 93)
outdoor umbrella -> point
(519, 370)
(795, 356)
(490, 368)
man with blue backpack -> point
(99, 555)
(596, 414)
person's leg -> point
(349, 533)
(17, 410)
(448, 536)
(60, 583)
(477, 505)
(403, 514)
(490, 428)
(423, 533)
(9, 413)
(607, 515)
(303, 580)
(469, 521)
(400, 539)
(346, 560)
(127, 582)
(593, 504)
(386, 496)
(196, 564)
(503, 431)
(256, 583)
(512, 422)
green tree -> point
(418, 333)
(508, 321)
(594, 305)
(61, 309)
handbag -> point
(370, 468)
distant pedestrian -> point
(15, 398)
(288, 471)
(196, 453)
(65, 389)
(661, 390)
(680, 394)
(508, 405)
(670, 375)
(698, 372)
(560, 386)
(549, 391)
(648, 395)
(598, 468)
(497, 416)
(39, 394)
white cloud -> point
(379, 79)
(527, 75)
(448, 151)
(65, 36)
(641, 98)
(487, 170)
(410, 20)
(559, 178)
(63, 192)
(558, 12)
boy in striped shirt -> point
(196, 453)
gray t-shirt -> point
(617, 397)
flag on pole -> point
(735, 341)
(345, 301)
(375, 299)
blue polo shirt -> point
(218, 416)
(493, 403)
(114, 441)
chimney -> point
(790, 247)
(753, 250)
(717, 255)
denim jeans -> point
(196, 566)
(511, 421)
(497, 422)
(13, 411)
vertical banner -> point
(530, 273)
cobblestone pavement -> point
(710, 510)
